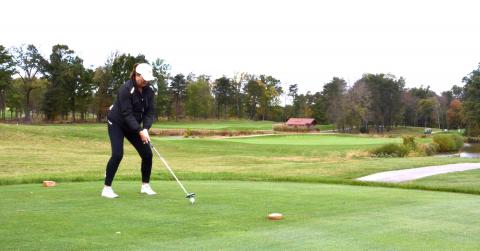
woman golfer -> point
(130, 117)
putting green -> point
(232, 215)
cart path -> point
(418, 173)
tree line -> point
(60, 87)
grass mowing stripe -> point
(232, 216)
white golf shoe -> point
(107, 192)
(147, 189)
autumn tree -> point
(455, 114)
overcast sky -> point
(300, 42)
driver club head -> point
(191, 197)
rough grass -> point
(232, 216)
(31, 154)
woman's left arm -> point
(150, 112)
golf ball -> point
(192, 200)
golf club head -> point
(191, 197)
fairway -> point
(32, 153)
(238, 182)
(217, 125)
(314, 140)
(232, 215)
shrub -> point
(459, 142)
(448, 142)
(299, 129)
(363, 129)
(187, 133)
(409, 142)
(391, 150)
(427, 149)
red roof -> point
(301, 121)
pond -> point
(469, 150)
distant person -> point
(130, 117)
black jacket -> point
(132, 108)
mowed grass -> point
(233, 198)
(315, 140)
(232, 216)
(32, 153)
(464, 181)
(217, 125)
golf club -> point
(189, 196)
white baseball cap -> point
(145, 70)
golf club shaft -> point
(169, 169)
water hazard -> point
(470, 151)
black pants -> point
(117, 134)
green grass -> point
(325, 127)
(232, 202)
(232, 216)
(31, 154)
(217, 125)
(226, 125)
(316, 140)
(467, 180)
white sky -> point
(300, 42)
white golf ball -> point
(192, 200)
